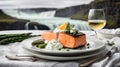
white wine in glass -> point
(97, 24)
(96, 19)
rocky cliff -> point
(111, 7)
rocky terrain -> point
(111, 7)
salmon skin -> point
(66, 40)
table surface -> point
(13, 48)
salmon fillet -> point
(49, 35)
(70, 41)
(65, 39)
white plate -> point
(109, 36)
(59, 58)
(98, 45)
(109, 33)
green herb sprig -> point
(110, 43)
(71, 27)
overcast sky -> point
(42, 3)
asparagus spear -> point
(13, 35)
(11, 38)
(39, 43)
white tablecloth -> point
(15, 48)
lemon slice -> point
(63, 26)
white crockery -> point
(98, 49)
(27, 44)
(110, 33)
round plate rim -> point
(103, 52)
(60, 52)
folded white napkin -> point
(115, 59)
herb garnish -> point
(88, 45)
(110, 43)
(71, 30)
(39, 43)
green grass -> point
(8, 20)
(80, 16)
(110, 23)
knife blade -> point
(108, 54)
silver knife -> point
(109, 54)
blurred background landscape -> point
(79, 12)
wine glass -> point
(96, 19)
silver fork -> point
(21, 57)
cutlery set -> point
(108, 55)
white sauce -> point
(54, 45)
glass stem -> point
(96, 34)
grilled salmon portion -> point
(70, 41)
(65, 39)
(49, 35)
